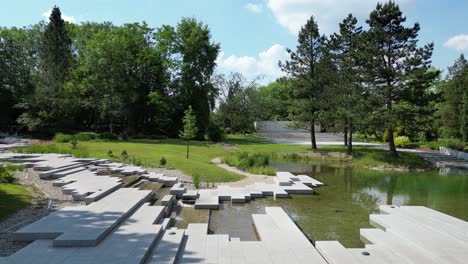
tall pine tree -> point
(347, 99)
(397, 68)
(305, 67)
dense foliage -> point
(106, 78)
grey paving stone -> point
(85, 225)
(167, 249)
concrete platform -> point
(178, 189)
(207, 199)
(115, 248)
(167, 249)
(87, 186)
(85, 225)
(168, 200)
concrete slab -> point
(334, 253)
(207, 199)
(168, 200)
(167, 249)
(195, 248)
(190, 195)
(115, 248)
(441, 244)
(403, 247)
(178, 189)
(85, 225)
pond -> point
(338, 210)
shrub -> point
(86, 136)
(452, 143)
(108, 136)
(401, 141)
(63, 138)
(73, 143)
(196, 180)
(42, 148)
(162, 161)
(6, 172)
(137, 161)
(124, 155)
(215, 133)
(110, 154)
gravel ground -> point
(45, 199)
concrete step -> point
(334, 252)
(167, 248)
(83, 226)
(129, 243)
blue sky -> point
(254, 33)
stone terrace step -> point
(85, 225)
(167, 249)
(129, 243)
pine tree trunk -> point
(188, 149)
(345, 136)
(312, 134)
(390, 139)
(350, 135)
(391, 143)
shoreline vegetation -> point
(250, 153)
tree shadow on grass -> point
(12, 199)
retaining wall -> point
(455, 153)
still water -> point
(338, 210)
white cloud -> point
(266, 64)
(70, 19)
(254, 8)
(292, 14)
(459, 42)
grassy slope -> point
(12, 198)
(151, 151)
(373, 157)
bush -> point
(6, 175)
(110, 154)
(108, 136)
(124, 155)
(137, 161)
(196, 180)
(162, 161)
(63, 138)
(73, 143)
(86, 136)
(401, 141)
(42, 148)
(215, 133)
(452, 143)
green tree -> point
(306, 67)
(236, 109)
(397, 68)
(195, 69)
(17, 64)
(453, 109)
(348, 98)
(190, 129)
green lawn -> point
(375, 157)
(12, 198)
(149, 153)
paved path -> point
(250, 178)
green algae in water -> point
(338, 210)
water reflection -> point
(338, 210)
